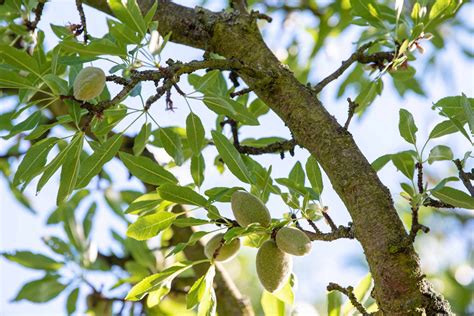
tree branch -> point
(465, 177)
(378, 59)
(349, 292)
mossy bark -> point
(400, 286)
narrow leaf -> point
(407, 126)
(181, 195)
(195, 133)
(147, 170)
(94, 163)
(231, 157)
(70, 170)
(149, 226)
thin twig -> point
(82, 15)
(313, 226)
(31, 26)
(415, 225)
(438, 204)
(241, 92)
(419, 168)
(377, 59)
(339, 233)
(329, 220)
(465, 178)
(350, 112)
(349, 292)
(277, 147)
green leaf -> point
(129, 14)
(334, 303)
(297, 174)
(144, 203)
(208, 305)
(466, 105)
(149, 226)
(40, 291)
(227, 106)
(195, 133)
(285, 294)
(314, 174)
(368, 94)
(212, 82)
(271, 305)
(139, 290)
(190, 221)
(443, 128)
(454, 197)
(19, 59)
(71, 302)
(141, 139)
(26, 125)
(11, 79)
(147, 170)
(440, 152)
(94, 48)
(405, 163)
(407, 126)
(52, 167)
(88, 219)
(380, 162)
(172, 144)
(94, 163)
(197, 169)
(70, 169)
(231, 157)
(199, 289)
(258, 108)
(122, 33)
(181, 195)
(33, 260)
(34, 161)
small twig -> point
(295, 221)
(82, 15)
(377, 59)
(313, 226)
(241, 92)
(329, 220)
(435, 203)
(339, 233)
(277, 147)
(415, 225)
(350, 112)
(465, 177)
(261, 16)
(349, 292)
(31, 26)
(419, 168)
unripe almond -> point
(293, 241)
(226, 252)
(248, 209)
(89, 83)
(273, 266)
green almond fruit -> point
(89, 83)
(293, 241)
(273, 266)
(248, 209)
(226, 252)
